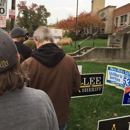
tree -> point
(85, 20)
(7, 25)
(91, 22)
(66, 24)
(30, 17)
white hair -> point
(43, 33)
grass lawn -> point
(96, 43)
(86, 111)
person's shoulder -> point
(36, 94)
(28, 41)
(27, 48)
(29, 61)
(25, 42)
(67, 56)
(33, 90)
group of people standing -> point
(36, 83)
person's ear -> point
(53, 40)
(36, 42)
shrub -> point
(103, 36)
(78, 37)
(64, 41)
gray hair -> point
(43, 33)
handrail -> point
(94, 34)
(82, 42)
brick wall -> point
(123, 10)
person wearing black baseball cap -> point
(21, 107)
(18, 36)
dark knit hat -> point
(8, 51)
(17, 32)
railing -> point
(79, 45)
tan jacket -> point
(58, 82)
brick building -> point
(114, 18)
(121, 17)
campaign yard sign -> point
(126, 96)
(117, 76)
(91, 84)
(119, 123)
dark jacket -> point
(23, 50)
(56, 73)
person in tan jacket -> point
(53, 71)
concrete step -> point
(82, 52)
(114, 45)
(118, 40)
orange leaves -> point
(62, 24)
(91, 22)
(67, 23)
(84, 20)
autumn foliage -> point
(84, 20)
(67, 24)
(30, 17)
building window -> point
(116, 23)
(123, 19)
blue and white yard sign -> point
(117, 76)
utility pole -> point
(76, 25)
(12, 19)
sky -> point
(61, 9)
